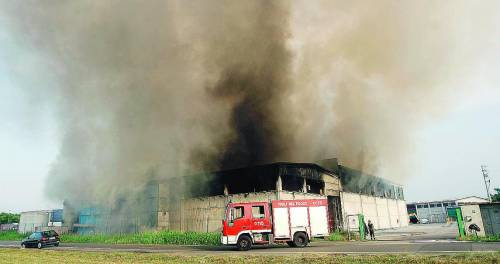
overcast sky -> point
(449, 150)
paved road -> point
(368, 247)
(422, 239)
(420, 232)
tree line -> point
(8, 218)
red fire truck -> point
(293, 222)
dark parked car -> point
(41, 239)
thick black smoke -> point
(253, 63)
(256, 84)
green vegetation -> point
(8, 218)
(160, 237)
(496, 197)
(11, 235)
(337, 236)
(56, 256)
(494, 238)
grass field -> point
(52, 256)
(160, 237)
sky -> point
(450, 153)
(448, 150)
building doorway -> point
(334, 213)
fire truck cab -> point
(293, 222)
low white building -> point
(485, 215)
(437, 211)
(33, 221)
(471, 200)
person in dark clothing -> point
(366, 229)
(371, 230)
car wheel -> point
(300, 240)
(244, 243)
(39, 245)
(23, 245)
(57, 244)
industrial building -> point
(32, 221)
(197, 202)
(440, 211)
(485, 215)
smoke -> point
(369, 77)
(253, 76)
(157, 89)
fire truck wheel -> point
(244, 243)
(300, 239)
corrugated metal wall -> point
(490, 214)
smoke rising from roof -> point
(160, 88)
(254, 74)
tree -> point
(8, 218)
(496, 197)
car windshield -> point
(36, 235)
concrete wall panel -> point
(33, 221)
(384, 213)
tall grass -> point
(159, 237)
(492, 238)
(11, 235)
(337, 236)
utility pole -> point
(486, 181)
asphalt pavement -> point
(367, 247)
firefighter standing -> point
(371, 230)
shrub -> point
(337, 236)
